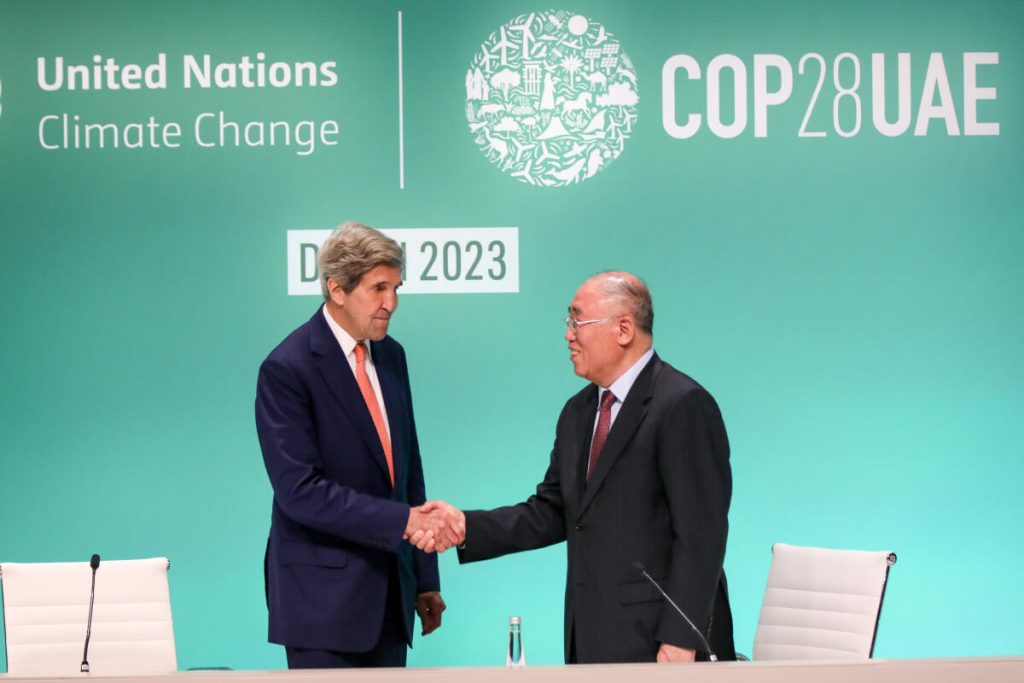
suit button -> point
(579, 527)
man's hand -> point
(435, 526)
(454, 528)
(424, 529)
(429, 606)
(670, 654)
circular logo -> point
(551, 98)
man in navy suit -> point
(335, 422)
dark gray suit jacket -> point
(659, 495)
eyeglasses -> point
(573, 324)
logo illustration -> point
(551, 98)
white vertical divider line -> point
(401, 112)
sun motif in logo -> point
(551, 98)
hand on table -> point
(670, 654)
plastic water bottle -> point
(516, 657)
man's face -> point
(593, 348)
(366, 311)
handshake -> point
(435, 526)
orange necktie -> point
(371, 402)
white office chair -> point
(821, 603)
(46, 606)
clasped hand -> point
(435, 526)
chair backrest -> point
(46, 606)
(821, 603)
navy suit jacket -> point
(337, 522)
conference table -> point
(954, 670)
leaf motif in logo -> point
(551, 98)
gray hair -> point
(631, 291)
(351, 251)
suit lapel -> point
(584, 432)
(631, 415)
(338, 375)
(390, 389)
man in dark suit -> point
(639, 473)
(335, 422)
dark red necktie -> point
(604, 423)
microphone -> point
(94, 562)
(643, 571)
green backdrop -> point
(854, 303)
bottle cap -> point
(514, 621)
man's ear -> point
(625, 330)
(336, 292)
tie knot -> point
(360, 352)
(607, 398)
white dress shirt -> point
(620, 388)
(348, 347)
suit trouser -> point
(391, 648)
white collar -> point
(621, 386)
(346, 340)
